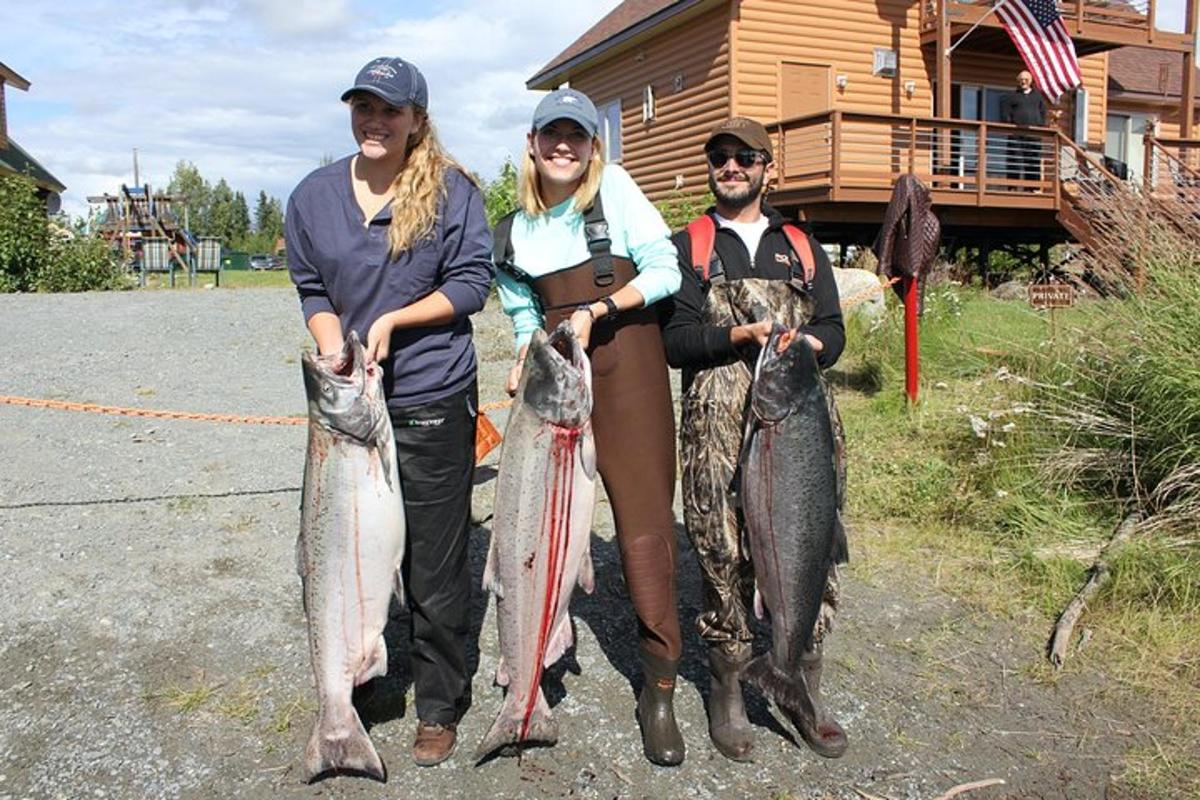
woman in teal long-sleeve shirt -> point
(586, 245)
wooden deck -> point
(1094, 25)
(991, 183)
(844, 164)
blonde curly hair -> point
(419, 187)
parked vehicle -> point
(263, 261)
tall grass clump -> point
(1121, 405)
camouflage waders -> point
(711, 426)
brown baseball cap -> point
(747, 131)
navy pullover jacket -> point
(342, 266)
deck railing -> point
(1171, 177)
(1137, 14)
(848, 156)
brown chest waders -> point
(633, 424)
(711, 426)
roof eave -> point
(552, 77)
(11, 78)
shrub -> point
(81, 263)
(24, 233)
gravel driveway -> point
(152, 643)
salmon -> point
(545, 498)
(349, 550)
(788, 493)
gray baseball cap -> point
(396, 81)
(567, 104)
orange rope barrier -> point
(122, 411)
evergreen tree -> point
(268, 221)
(240, 221)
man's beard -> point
(739, 199)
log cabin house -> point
(857, 92)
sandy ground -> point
(153, 645)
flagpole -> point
(971, 30)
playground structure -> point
(151, 237)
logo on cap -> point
(383, 71)
(569, 99)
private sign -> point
(1051, 295)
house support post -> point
(941, 108)
(1187, 102)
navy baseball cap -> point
(396, 81)
(567, 104)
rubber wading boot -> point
(727, 724)
(661, 741)
(824, 735)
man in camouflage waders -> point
(743, 265)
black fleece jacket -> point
(692, 345)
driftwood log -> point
(1060, 638)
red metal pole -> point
(911, 360)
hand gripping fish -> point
(789, 499)
(545, 496)
(349, 551)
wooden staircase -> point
(1110, 216)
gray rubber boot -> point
(727, 723)
(824, 735)
(661, 741)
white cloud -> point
(248, 89)
(288, 18)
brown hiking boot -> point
(824, 735)
(661, 741)
(727, 723)
(434, 743)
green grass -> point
(967, 488)
(230, 279)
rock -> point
(860, 292)
(1011, 290)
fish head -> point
(786, 375)
(556, 381)
(345, 392)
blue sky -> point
(248, 89)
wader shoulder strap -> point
(702, 235)
(502, 249)
(599, 244)
(802, 247)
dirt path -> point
(153, 644)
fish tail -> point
(510, 724)
(783, 685)
(339, 743)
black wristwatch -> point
(610, 307)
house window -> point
(648, 104)
(610, 130)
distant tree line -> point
(219, 211)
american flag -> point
(1043, 42)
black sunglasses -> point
(744, 158)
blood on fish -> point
(556, 522)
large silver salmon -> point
(545, 497)
(789, 499)
(349, 550)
